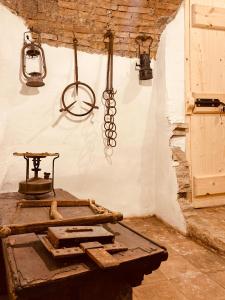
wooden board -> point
(205, 54)
(207, 110)
(209, 185)
(209, 17)
(77, 251)
(221, 97)
(68, 236)
(34, 274)
(208, 201)
(35, 268)
(102, 258)
(60, 253)
(208, 158)
(102, 285)
(205, 78)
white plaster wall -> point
(168, 102)
(30, 121)
(138, 179)
(174, 73)
(172, 40)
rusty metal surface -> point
(35, 154)
(37, 185)
(33, 50)
(145, 71)
(70, 107)
(108, 96)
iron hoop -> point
(92, 105)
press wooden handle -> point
(54, 214)
(38, 227)
(46, 203)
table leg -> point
(3, 284)
(105, 288)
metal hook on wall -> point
(69, 103)
(110, 16)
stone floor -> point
(191, 271)
(207, 225)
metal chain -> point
(108, 95)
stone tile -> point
(145, 224)
(156, 231)
(177, 266)
(191, 272)
(165, 236)
(155, 276)
(208, 226)
(218, 277)
(198, 287)
(162, 290)
(186, 247)
(206, 261)
(210, 235)
(154, 222)
(149, 221)
(170, 250)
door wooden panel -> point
(208, 185)
(205, 78)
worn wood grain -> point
(209, 185)
(68, 236)
(102, 258)
(60, 202)
(37, 275)
(205, 55)
(54, 214)
(209, 17)
(10, 229)
(29, 253)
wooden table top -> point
(32, 265)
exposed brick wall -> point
(56, 20)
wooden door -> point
(205, 78)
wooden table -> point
(31, 272)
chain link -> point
(108, 95)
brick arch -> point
(56, 20)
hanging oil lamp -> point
(145, 71)
(33, 61)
